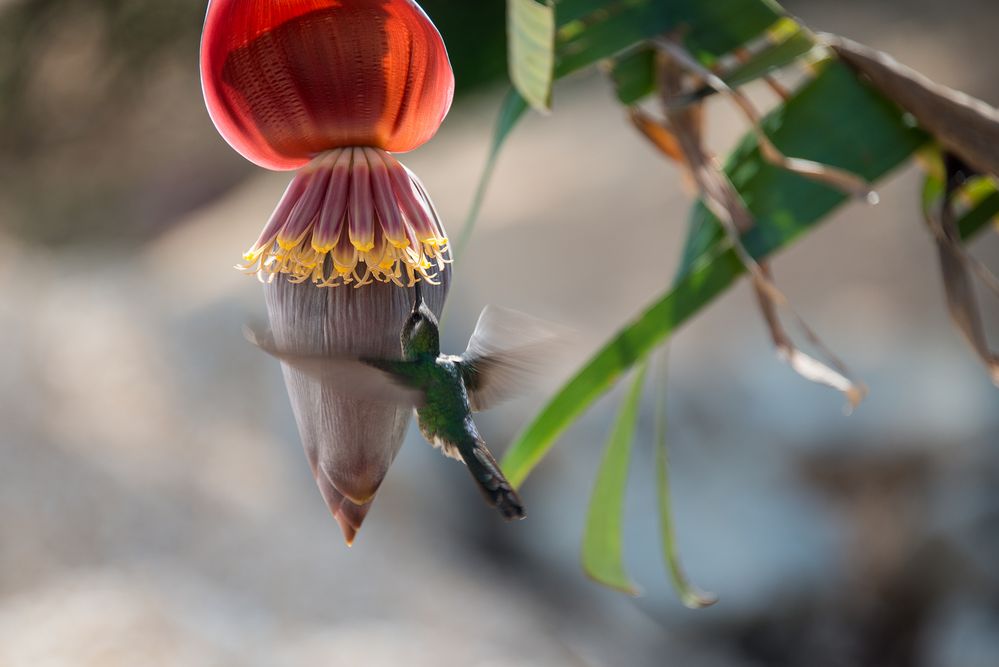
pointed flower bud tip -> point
(350, 442)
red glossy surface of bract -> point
(287, 79)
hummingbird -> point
(505, 347)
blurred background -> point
(155, 504)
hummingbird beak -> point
(417, 297)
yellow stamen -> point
(369, 250)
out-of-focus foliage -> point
(603, 556)
(103, 134)
(836, 120)
(579, 33)
(785, 205)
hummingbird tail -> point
(494, 486)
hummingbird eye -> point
(412, 324)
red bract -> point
(285, 80)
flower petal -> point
(306, 210)
(385, 202)
(362, 207)
(408, 198)
(278, 218)
(334, 209)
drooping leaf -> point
(690, 595)
(834, 119)
(603, 552)
(942, 193)
(689, 294)
(725, 202)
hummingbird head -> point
(420, 337)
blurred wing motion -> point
(505, 350)
(352, 378)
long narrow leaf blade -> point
(603, 551)
(690, 595)
(632, 344)
(785, 206)
(511, 111)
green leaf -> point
(589, 31)
(511, 111)
(788, 43)
(980, 197)
(978, 218)
(551, 40)
(602, 542)
(834, 119)
(531, 28)
(702, 284)
(609, 30)
(716, 27)
(570, 11)
(634, 75)
(690, 595)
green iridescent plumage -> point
(445, 389)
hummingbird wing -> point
(383, 380)
(506, 348)
(487, 474)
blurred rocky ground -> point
(156, 508)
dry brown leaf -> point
(840, 179)
(954, 266)
(658, 136)
(968, 129)
(724, 201)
